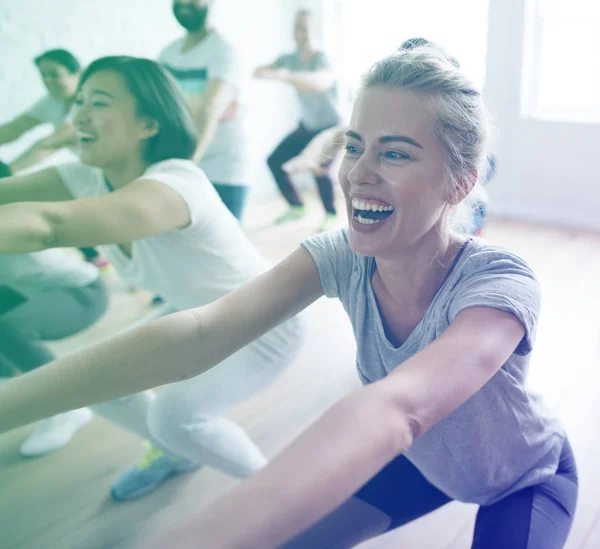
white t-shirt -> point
(188, 267)
(33, 273)
(226, 160)
(49, 110)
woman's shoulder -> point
(483, 255)
(175, 166)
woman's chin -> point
(89, 158)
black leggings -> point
(290, 147)
(537, 517)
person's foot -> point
(55, 432)
(330, 222)
(295, 212)
(153, 470)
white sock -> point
(55, 432)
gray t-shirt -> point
(49, 110)
(319, 110)
(503, 438)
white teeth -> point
(364, 205)
(366, 221)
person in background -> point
(46, 296)
(60, 71)
(211, 74)
(308, 70)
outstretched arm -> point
(356, 438)
(14, 129)
(173, 348)
(140, 209)
(42, 186)
(62, 137)
(310, 81)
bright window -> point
(561, 69)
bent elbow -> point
(401, 426)
(404, 426)
(47, 231)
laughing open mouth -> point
(369, 212)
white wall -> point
(548, 171)
(261, 29)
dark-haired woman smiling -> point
(165, 229)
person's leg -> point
(186, 416)
(185, 422)
(51, 315)
(291, 146)
(234, 197)
(538, 517)
(325, 186)
(131, 412)
(398, 494)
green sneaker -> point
(153, 470)
(295, 212)
(330, 222)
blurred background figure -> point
(60, 71)
(308, 70)
(208, 68)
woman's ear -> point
(462, 187)
(150, 128)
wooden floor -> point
(61, 501)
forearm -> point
(206, 123)
(309, 81)
(24, 228)
(317, 473)
(167, 350)
(62, 137)
(30, 157)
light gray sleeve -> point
(42, 110)
(226, 65)
(320, 62)
(334, 260)
(501, 281)
(283, 61)
(48, 110)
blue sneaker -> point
(155, 468)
